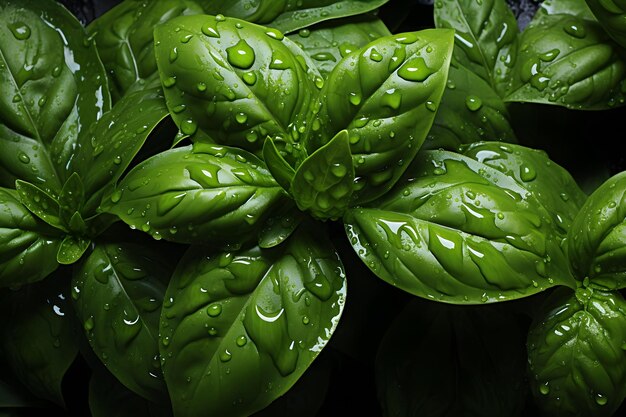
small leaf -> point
(596, 243)
(118, 292)
(323, 183)
(71, 198)
(71, 249)
(256, 316)
(211, 194)
(610, 14)
(40, 203)
(279, 226)
(576, 353)
(29, 245)
(282, 172)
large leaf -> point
(211, 194)
(118, 292)
(329, 42)
(39, 341)
(470, 111)
(53, 86)
(439, 360)
(289, 16)
(576, 354)
(597, 240)
(124, 37)
(28, 246)
(458, 231)
(610, 14)
(106, 153)
(568, 61)
(485, 36)
(233, 80)
(255, 316)
(384, 95)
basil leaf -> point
(610, 14)
(72, 249)
(438, 360)
(108, 397)
(239, 94)
(323, 183)
(279, 226)
(39, 341)
(290, 16)
(115, 140)
(71, 198)
(576, 353)
(571, 7)
(470, 111)
(552, 184)
(53, 84)
(40, 203)
(282, 172)
(211, 194)
(255, 316)
(458, 231)
(568, 61)
(28, 246)
(485, 37)
(118, 291)
(382, 94)
(596, 243)
(125, 41)
(328, 43)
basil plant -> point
(236, 208)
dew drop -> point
(210, 30)
(20, 30)
(375, 55)
(89, 324)
(249, 78)
(241, 341)
(23, 158)
(601, 399)
(241, 55)
(415, 69)
(225, 356)
(527, 173)
(169, 82)
(544, 389)
(473, 103)
(392, 98)
(214, 310)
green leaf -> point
(53, 85)
(124, 37)
(260, 85)
(329, 42)
(456, 230)
(383, 95)
(71, 198)
(108, 397)
(280, 225)
(568, 61)
(39, 341)
(114, 141)
(290, 16)
(255, 316)
(571, 7)
(610, 14)
(470, 111)
(118, 291)
(552, 184)
(576, 354)
(323, 182)
(72, 249)
(28, 246)
(40, 203)
(596, 243)
(439, 360)
(485, 37)
(282, 172)
(211, 194)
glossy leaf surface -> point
(597, 240)
(211, 194)
(118, 292)
(289, 16)
(323, 183)
(28, 245)
(124, 37)
(576, 354)
(40, 203)
(382, 94)
(610, 14)
(53, 85)
(39, 341)
(114, 141)
(233, 80)
(470, 111)
(456, 230)
(567, 61)
(439, 360)
(328, 43)
(485, 36)
(254, 316)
